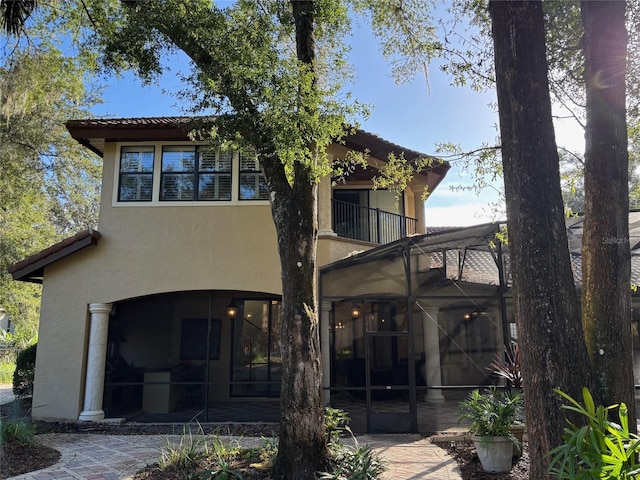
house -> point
(170, 309)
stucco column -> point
(325, 349)
(431, 336)
(418, 205)
(96, 362)
(324, 207)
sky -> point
(411, 115)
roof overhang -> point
(95, 133)
(31, 269)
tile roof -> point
(31, 269)
(178, 127)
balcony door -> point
(360, 214)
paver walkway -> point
(114, 457)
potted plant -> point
(507, 367)
(492, 414)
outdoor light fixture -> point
(232, 310)
(471, 315)
(355, 312)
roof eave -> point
(31, 269)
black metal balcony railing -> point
(369, 224)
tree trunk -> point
(606, 261)
(545, 299)
(302, 449)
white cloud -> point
(460, 215)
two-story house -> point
(172, 306)
(170, 310)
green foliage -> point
(222, 471)
(182, 457)
(491, 413)
(25, 371)
(268, 451)
(14, 14)
(336, 423)
(6, 371)
(599, 449)
(49, 184)
(507, 366)
(16, 430)
(354, 462)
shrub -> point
(25, 371)
(491, 413)
(355, 462)
(6, 371)
(184, 456)
(599, 449)
(350, 462)
(20, 431)
(336, 423)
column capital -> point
(100, 307)
(326, 305)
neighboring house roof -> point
(94, 133)
(31, 269)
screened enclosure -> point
(415, 318)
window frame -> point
(141, 149)
(156, 184)
(196, 173)
(257, 174)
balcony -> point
(369, 224)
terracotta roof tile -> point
(31, 268)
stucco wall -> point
(144, 250)
(149, 248)
(59, 381)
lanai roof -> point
(469, 252)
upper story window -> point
(187, 173)
(136, 174)
(252, 183)
(195, 173)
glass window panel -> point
(177, 187)
(136, 173)
(253, 187)
(214, 187)
(252, 183)
(249, 162)
(212, 161)
(178, 159)
(136, 159)
(135, 187)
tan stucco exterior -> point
(151, 248)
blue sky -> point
(409, 115)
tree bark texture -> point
(302, 446)
(302, 449)
(545, 299)
(606, 260)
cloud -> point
(461, 215)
